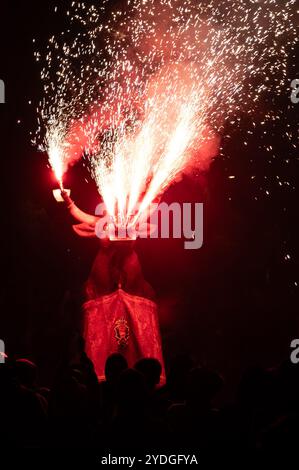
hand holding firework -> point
(65, 195)
(60, 195)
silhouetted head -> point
(151, 369)
(26, 372)
(115, 365)
(255, 387)
(180, 365)
(131, 390)
(202, 385)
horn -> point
(81, 216)
(84, 230)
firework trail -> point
(142, 90)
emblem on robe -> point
(121, 332)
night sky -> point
(232, 303)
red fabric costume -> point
(120, 314)
(121, 322)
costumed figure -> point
(120, 313)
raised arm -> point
(76, 212)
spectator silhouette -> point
(175, 388)
(151, 370)
(132, 426)
(196, 420)
(84, 371)
(115, 365)
(23, 418)
(255, 400)
(282, 433)
(68, 410)
(26, 375)
(129, 410)
(251, 411)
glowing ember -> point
(142, 89)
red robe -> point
(124, 323)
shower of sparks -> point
(142, 89)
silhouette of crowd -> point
(130, 408)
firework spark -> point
(142, 89)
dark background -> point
(231, 304)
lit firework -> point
(143, 88)
(56, 151)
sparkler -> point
(142, 89)
(56, 155)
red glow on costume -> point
(124, 323)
